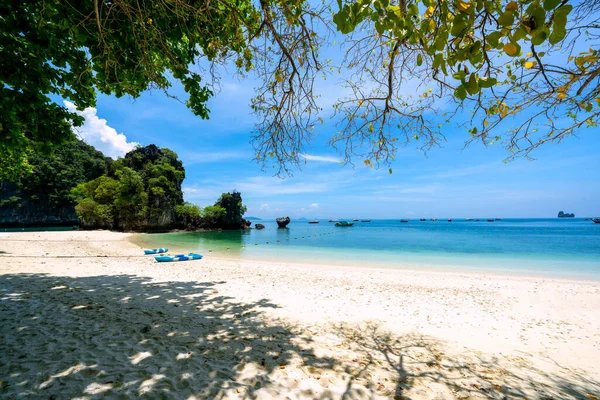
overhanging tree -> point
(527, 70)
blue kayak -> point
(156, 251)
(178, 257)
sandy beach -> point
(84, 315)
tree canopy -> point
(44, 196)
(520, 73)
(139, 191)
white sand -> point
(127, 326)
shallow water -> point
(554, 247)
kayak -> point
(178, 257)
(156, 251)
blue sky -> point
(448, 182)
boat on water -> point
(179, 257)
(334, 220)
(314, 221)
(450, 220)
(365, 220)
(491, 220)
(355, 219)
(498, 219)
(596, 220)
(344, 224)
(468, 219)
(422, 219)
(403, 220)
(156, 251)
(433, 219)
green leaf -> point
(437, 60)
(559, 24)
(519, 34)
(419, 60)
(472, 86)
(459, 25)
(539, 16)
(440, 41)
(413, 9)
(494, 38)
(540, 37)
(460, 75)
(460, 92)
(486, 83)
(551, 4)
(506, 19)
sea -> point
(552, 247)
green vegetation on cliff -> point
(44, 196)
(139, 192)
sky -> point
(447, 182)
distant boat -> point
(433, 219)
(491, 220)
(365, 220)
(596, 220)
(422, 219)
(403, 220)
(355, 219)
(498, 219)
(334, 220)
(450, 220)
(468, 219)
(477, 220)
(314, 221)
(344, 224)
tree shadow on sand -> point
(423, 367)
(128, 336)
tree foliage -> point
(521, 73)
(527, 72)
(140, 191)
(230, 210)
(75, 49)
(46, 191)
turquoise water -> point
(552, 247)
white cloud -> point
(314, 206)
(96, 132)
(265, 207)
(320, 158)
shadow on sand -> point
(123, 335)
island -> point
(562, 214)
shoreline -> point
(423, 268)
(137, 239)
(129, 325)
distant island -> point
(78, 186)
(253, 219)
(565, 215)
